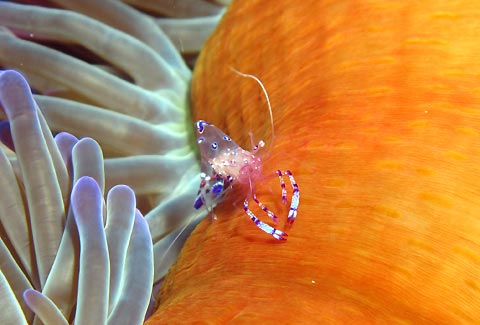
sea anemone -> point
(43, 250)
(377, 113)
(107, 71)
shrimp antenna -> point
(186, 229)
(266, 96)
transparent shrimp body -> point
(224, 163)
(241, 165)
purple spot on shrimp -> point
(201, 125)
(198, 202)
(217, 189)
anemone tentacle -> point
(112, 86)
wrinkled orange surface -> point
(377, 113)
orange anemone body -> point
(377, 114)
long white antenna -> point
(266, 96)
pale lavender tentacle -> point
(189, 34)
(17, 281)
(93, 278)
(181, 9)
(87, 158)
(166, 249)
(144, 173)
(11, 311)
(63, 179)
(65, 142)
(13, 218)
(128, 136)
(137, 279)
(91, 82)
(129, 20)
(118, 229)
(119, 48)
(43, 192)
(44, 308)
(61, 286)
(164, 218)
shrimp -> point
(225, 163)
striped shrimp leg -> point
(277, 234)
(292, 214)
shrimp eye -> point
(200, 139)
(214, 146)
(226, 137)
